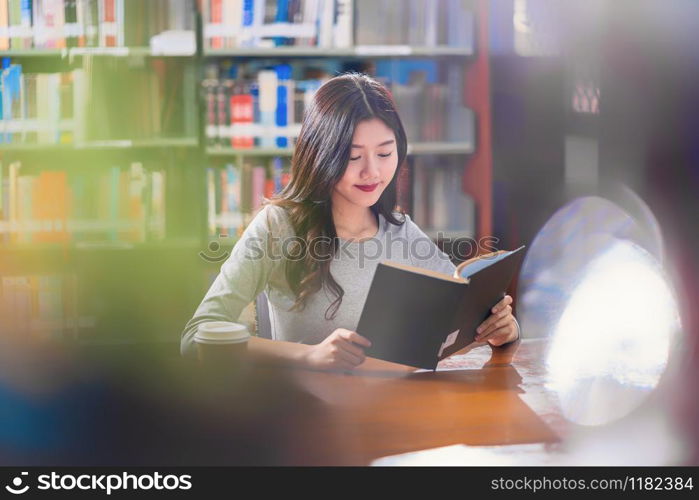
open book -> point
(417, 317)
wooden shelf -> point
(360, 51)
(418, 148)
(35, 53)
(169, 244)
(426, 148)
(182, 142)
(67, 53)
(228, 151)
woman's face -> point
(373, 162)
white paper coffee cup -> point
(221, 332)
(221, 340)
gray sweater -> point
(256, 264)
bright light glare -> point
(613, 339)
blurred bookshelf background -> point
(139, 138)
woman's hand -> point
(340, 350)
(500, 327)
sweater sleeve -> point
(243, 275)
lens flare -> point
(612, 342)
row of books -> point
(260, 111)
(272, 23)
(57, 24)
(108, 100)
(44, 306)
(152, 99)
(266, 109)
(337, 23)
(113, 205)
(429, 98)
(414, 22)
(439, 203)
(236, 192)
(39, 108)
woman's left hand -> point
(500, 327)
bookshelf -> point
(198, 160)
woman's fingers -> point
(494, 318)
(500, 336)
(506, 301)
(351, 336)
(503, 328)
(350, 357)
(350, 347)
(498, 322)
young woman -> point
(314, 247)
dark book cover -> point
(416, 317)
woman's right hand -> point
(342, 350)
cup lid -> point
(221, 332)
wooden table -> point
(474, 398)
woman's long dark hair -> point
(320, 158)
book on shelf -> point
(431, 110)
(259, 111)
(417, 23)
(4, 24)
(118, 204)
(139, 103)
(232, 24)
(439, 202)
(43, 306)
(59, 24)
(236, 192)
(39, 108)
(417, 317)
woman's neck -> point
(354, 222)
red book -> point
(269, 188)
(241, 114)
(110, 40)
(217, 18)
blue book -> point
(282, 112)
(26, 20)
(277, 171)
(10, 82)
(248, 12)
(400, 71)
(255, 93)
(281, 17)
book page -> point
(472, 268)
(423, 271)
